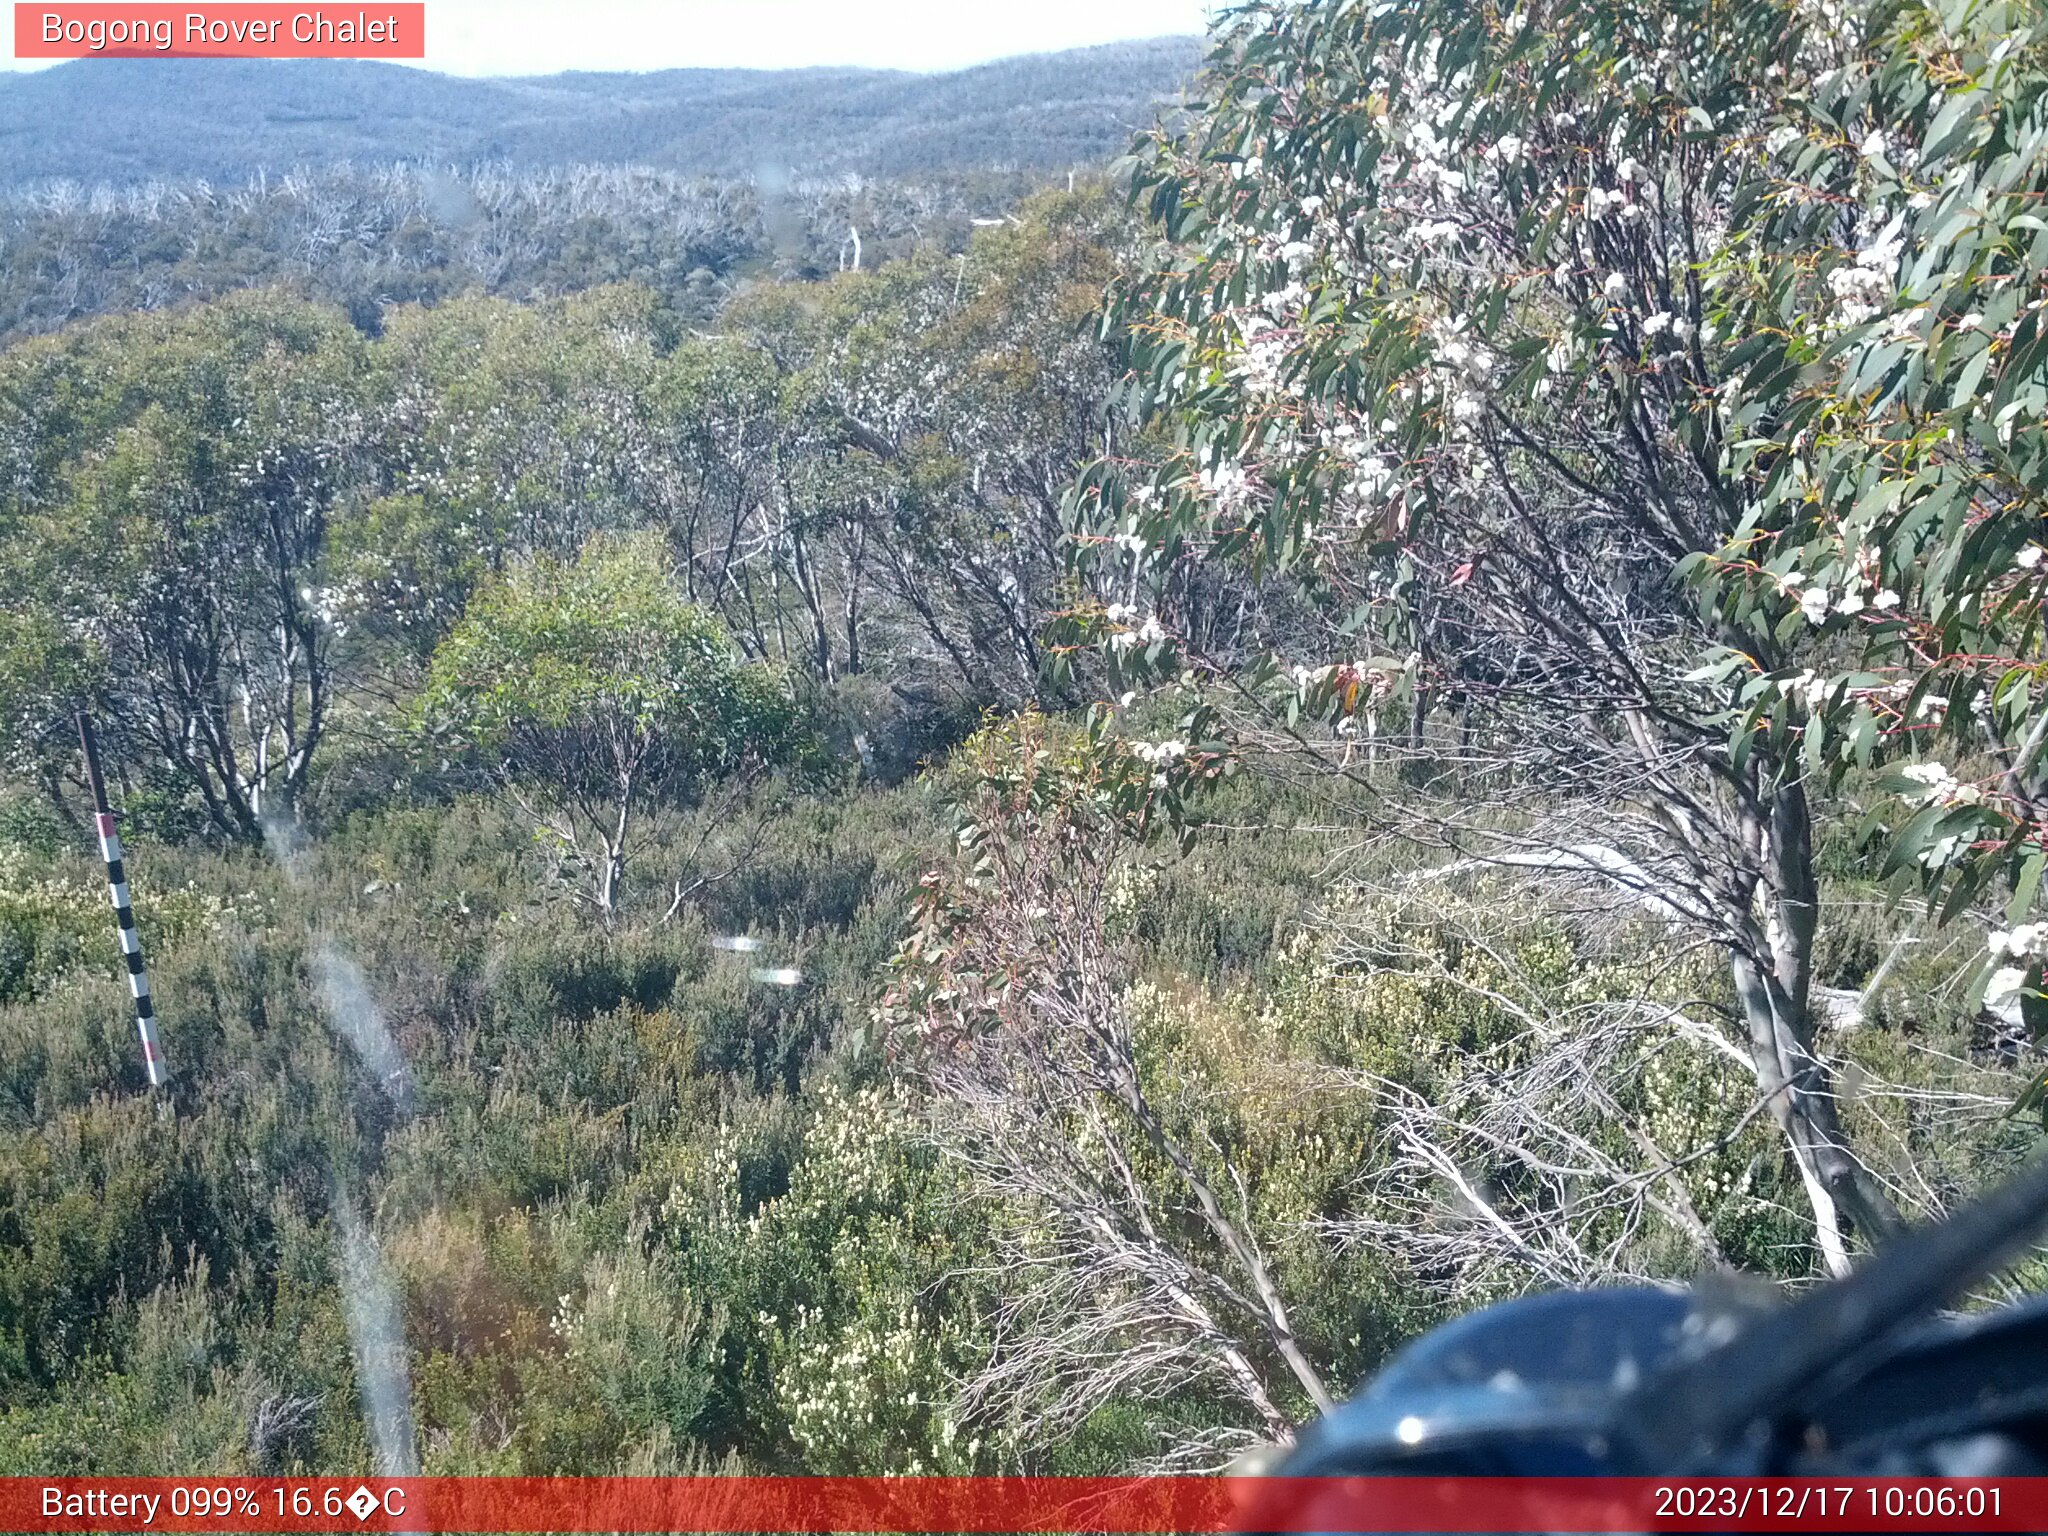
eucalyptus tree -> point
(524, 423)
(591, 690)
(938, 407)
(1884, 400)
(166, 531)
(1439, 342)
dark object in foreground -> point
(1862, 1376)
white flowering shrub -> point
(872, 1394)
(55, 928)
(638, 1352)
(857, 1322)
(1130, 887)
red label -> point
(242, 31)
(1218, 1505)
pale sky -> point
(538, 37)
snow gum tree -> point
(590, 690)
(1438, 347)
(1883, 404)
(169, 486)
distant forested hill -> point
(128, 120)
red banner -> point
(240, 31)
(1020, 1504)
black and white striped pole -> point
(124, 914)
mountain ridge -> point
(123, 121)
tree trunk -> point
(615, 847)
(1772, 967)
